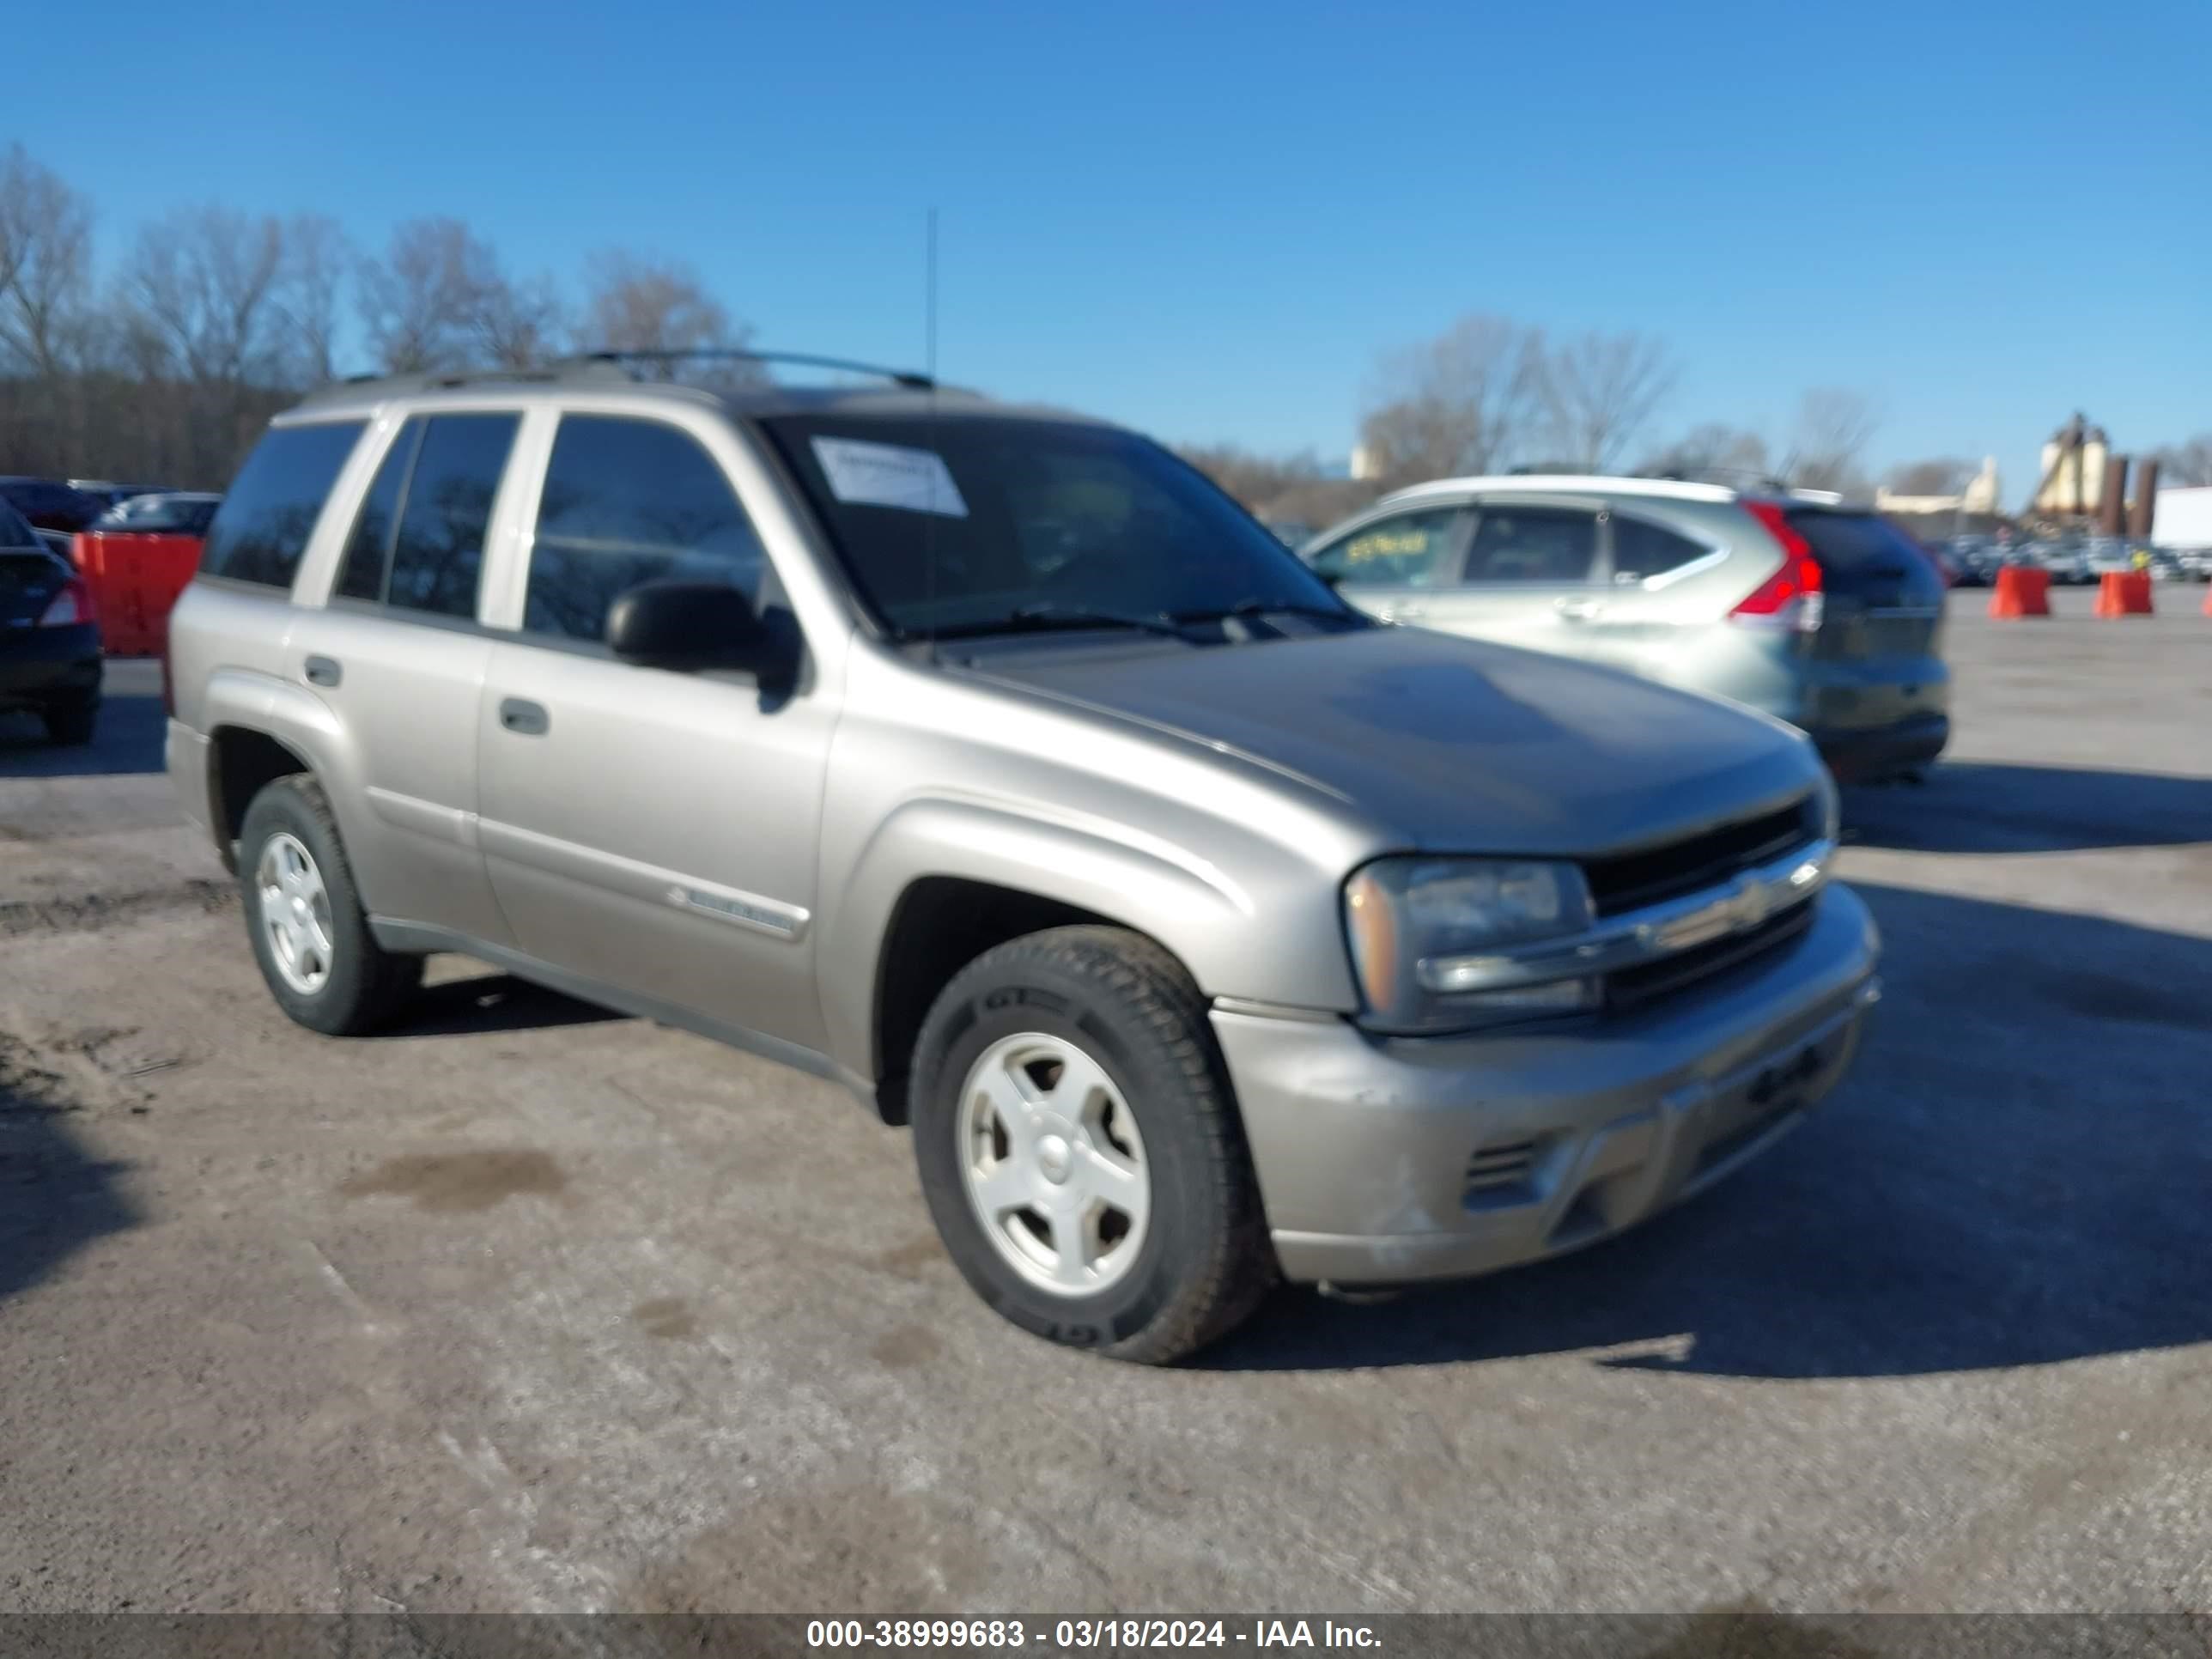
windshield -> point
(961, 523)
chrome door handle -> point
(1577, 609)
(525, 719)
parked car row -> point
(1205, 928)
(2073, 564)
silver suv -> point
(994, 763)
(1818, 613)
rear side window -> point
(261, 527)
(629, 502)
(438, 555)
(1532, 544)
(1641, 550)
(418, 542)
(368, 549)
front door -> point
(650, 830)
(1530, 578)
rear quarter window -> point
(262, 528)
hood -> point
(1455, 745)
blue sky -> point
(1206, 222)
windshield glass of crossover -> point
(954, 523)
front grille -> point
(1633, 880)
(1632, 988)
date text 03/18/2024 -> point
(1080, 1635)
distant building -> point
(2074, 459)
(1983, 492)
(1366, 463)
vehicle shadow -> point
(1984, 807)
(56, 1197)
(489, 1003)
(127, 740)
(2018, 1171)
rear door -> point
(1878, 652)
(1531, 577)
(398, 654)
(1390, 567)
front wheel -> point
(1080, 1148)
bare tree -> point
(1600, 391)
(206, 280)
(635, 303)
(1455, 404)
(2187, 464)
(1834, 425)
(45, 266)
(420, 302)
(1283, 489)
(1714, 446)
(517, 325)
(317, 257)
(1945, 475)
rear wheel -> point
(1080, 1151)
(310, 935)
(70, 722)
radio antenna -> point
(929, 352)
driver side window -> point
(629, 502)
(1407, 550)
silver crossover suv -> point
(1818, 613)
(992, 763)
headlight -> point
(1426, 933)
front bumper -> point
(1387, 1161)
(1885, 751)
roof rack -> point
(355, 386)
(905, 377)
(1732, 477)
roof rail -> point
(355, 386)
(1731, 477)
(905, 377)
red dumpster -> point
(135, 578)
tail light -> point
(1792, 597)
(72, 605)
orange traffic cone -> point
(2123, 593)
(2021, 591)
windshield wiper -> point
(1048, 615)
(1268, 608)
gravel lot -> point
(531, 1307)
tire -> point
(1199, 1260)
(69, 724)
(360, 985)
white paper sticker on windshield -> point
(889, 475)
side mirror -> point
(693, 625)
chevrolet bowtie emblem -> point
(1749, 903)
